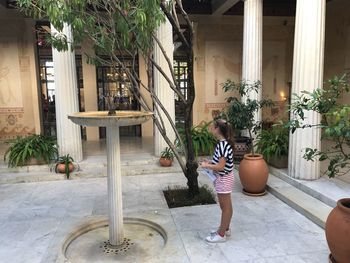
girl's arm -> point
(216, 167)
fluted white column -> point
(161, 86)
(115, 203)
(66, 95)
(252, 46)
(307, 75)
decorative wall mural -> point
(276, 113)
(5, 91)
(214, 106)
(10, 84)
(11, 123)
(274, 70)
(216, 67)
(6, 133)
(8, 111)
(11, 119)
(223, 61)
(215, 113)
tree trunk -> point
(191, 164)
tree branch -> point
(173, 23)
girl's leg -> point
(226, 212)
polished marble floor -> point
(128, 145)
(35, 218)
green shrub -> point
(273, 142)
(167, 154)
(241, 113)
(22, 149)
(66, 160)
(203, 140)
(335, 123)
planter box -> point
(279, 161)
(33, 161)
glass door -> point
(114, 82)
(48, 93)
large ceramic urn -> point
(253, 173)
(338, 232)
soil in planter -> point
(178, 197)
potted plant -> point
(166, 157)
(335, 125)
(202, 139)
(33, 149)
(240, 112)
(273, 145)
(65, 165)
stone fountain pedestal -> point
(93, 232)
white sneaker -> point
(215, 238)
(227, 232)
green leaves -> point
(243, 87)
(22, 149)
(240, 113)
(335, 123)
(274, 142)
(66, 160)
(167, 154)
(202, 139)
(110, 25)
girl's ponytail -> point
(226, 130)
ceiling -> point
(235, 7)
(222, 7)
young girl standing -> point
(222, 165)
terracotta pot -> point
(253, 173)
(165, 162)
(338, 231)
(61, 167)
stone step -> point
(312, 208)
(86, 171)
(90, 162)
(327, 190)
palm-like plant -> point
(273, 142)
(167, 154)
(67, 162)
(22, 149)
(202, 139)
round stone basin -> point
(102, 119)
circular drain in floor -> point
(142, 240)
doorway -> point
(113, 81)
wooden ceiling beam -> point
(219, 7)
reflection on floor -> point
(127, 145)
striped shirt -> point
(223, 149)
